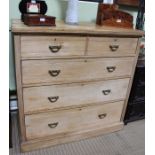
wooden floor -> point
(129, 141)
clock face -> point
(41, 7)
(33, 7)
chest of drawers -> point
(73, 82)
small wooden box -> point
(110, 15)
(38, 20)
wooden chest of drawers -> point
(73, 82)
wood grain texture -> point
(80, 81)
(92, 146)
(19, 86)
(38, 46)
(36, 99)
(81, 28)
(75, 120)
(51, 141)
(112, 46)
(36, 71)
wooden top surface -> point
(82, 28)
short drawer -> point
(46, 98)
(73, 120)
(112, 46)
(66, 71)
(52, 46)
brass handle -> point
(101, 116)
(54, 72)
(111, 68)
(55, 49)
(53, 99)
(53, 125)
(114, 47)
(106, 92)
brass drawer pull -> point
(101, 116)
(111, 69)
(54, 72)
(106, 92)
(53, 125)
(53, 99)
(114, 47)
(55, 49)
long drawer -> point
(66, 71)
(46, 98)
(73, 120)
(52, 46)
(112, 46)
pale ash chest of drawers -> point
(73, 82)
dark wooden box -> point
(110, 15)
(38, 20)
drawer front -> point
(46, 98)
(47, 46)
(73, 120)
(50, 71)
(112, 46)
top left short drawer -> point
(52, 46)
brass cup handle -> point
(114, 47)
(55, 49)
(53, 99)
(101, 116)
(54, 72)
(111, 68)
(53, 125)
(106, 92)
